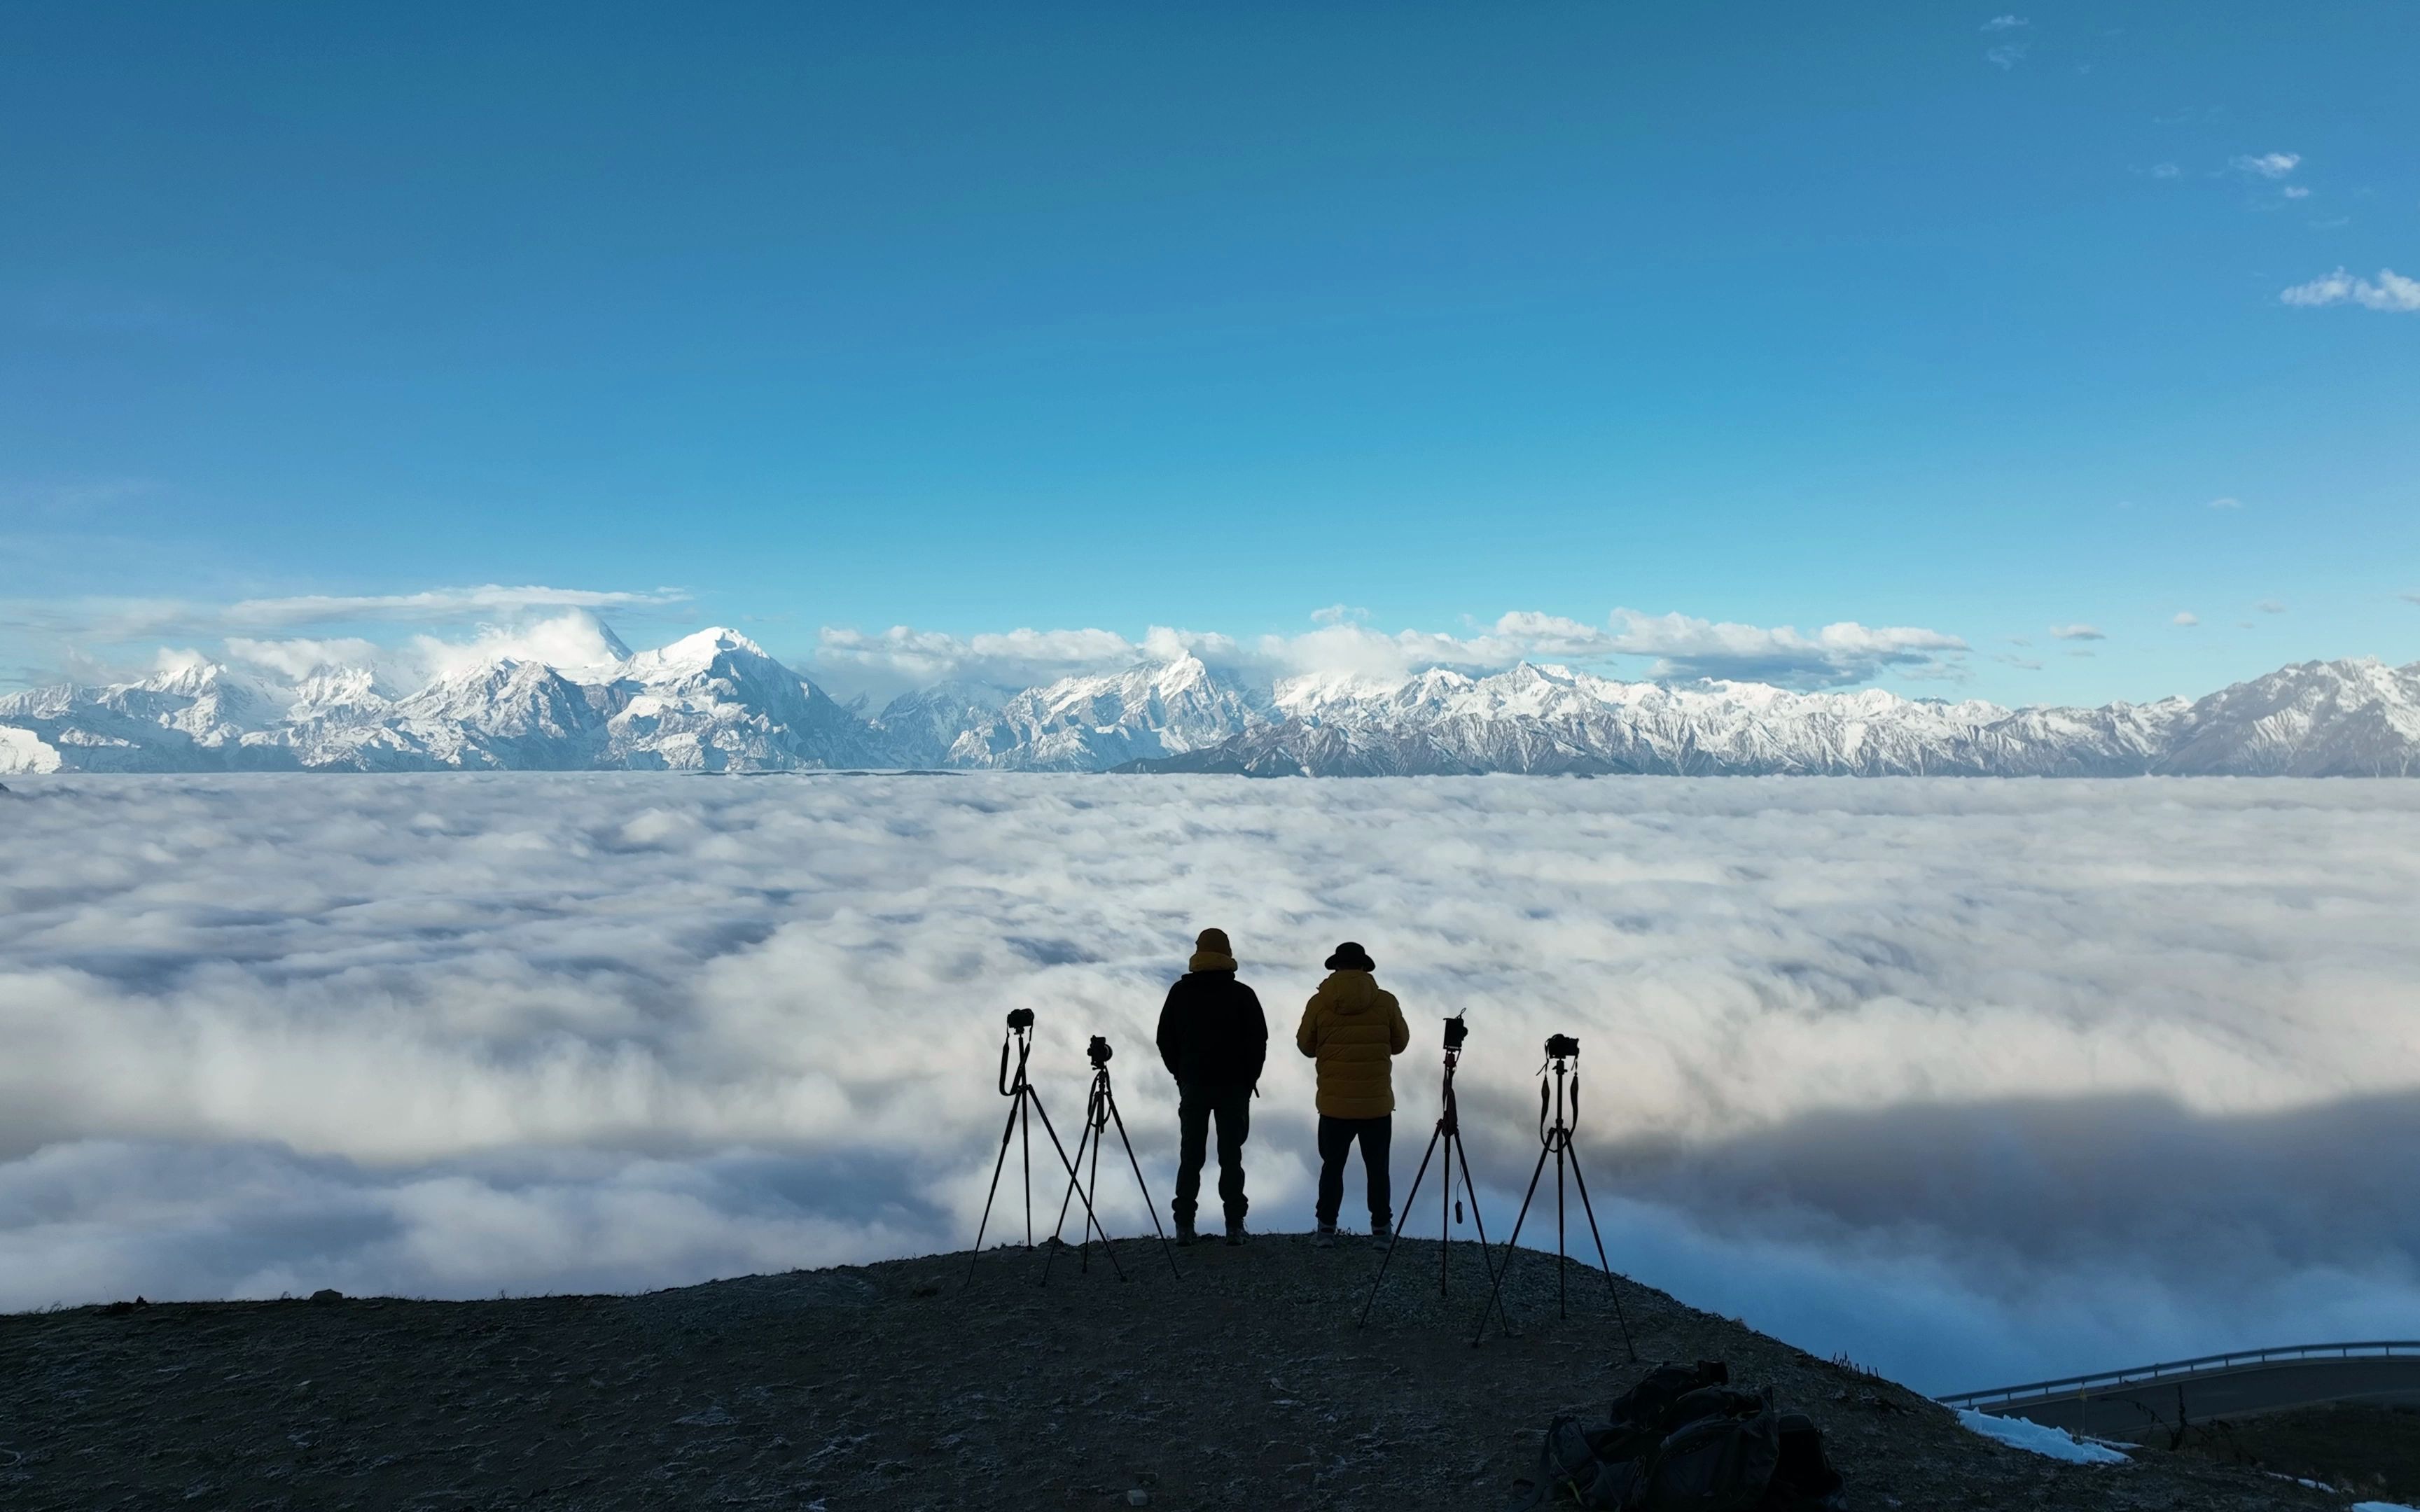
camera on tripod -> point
(1098, 1051)
(1456, 1032)
(1020, 1018)
(1561, 1047)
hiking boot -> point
(1381, 1235)
(1325, 1238)
(1185, 1234)
(1235, 1234)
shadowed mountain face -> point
(717, 702)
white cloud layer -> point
(1675, 645)
(2390, 291)
(299, 656)
(1980, 1081)
(434, 604)
(105, 641)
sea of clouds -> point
(1973, 1081)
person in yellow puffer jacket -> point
(1353, 1028)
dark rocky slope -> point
(1245, 1385)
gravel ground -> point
(1244, 1385)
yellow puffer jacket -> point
(1352, 1026)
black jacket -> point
(1212, 1034)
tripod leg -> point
(1025, 1143)
(1496, 1293)
(1069, 1166)
(1098, 1128)
(1486, 1257)
(1056, 1243)
(997, 1166)
(1142, 1186)
(1562, 1308)
(1445, 1213)
(1409, 1198)
(1611, 1290)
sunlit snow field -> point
(1973, 1080)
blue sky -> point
(833, 319)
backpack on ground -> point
(1684, 1440)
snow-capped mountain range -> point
(716, 702)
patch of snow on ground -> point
(2034, 1438)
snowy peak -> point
(1087, 724)
(2316, 719)
(717, 700)
(694, 653)
(2321, 718)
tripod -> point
(1449, 1131)
(1562, 1052)
(1100, 1112)
(1024, 1102)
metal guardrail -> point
(2180, 1369)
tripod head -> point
(1562, 1061)
(1019, 1033)
(1456, 1032)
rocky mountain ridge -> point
(717, 702)
(948, 1381)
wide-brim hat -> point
(1351, 957)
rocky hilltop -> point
(716, 702)
(1243, 1384)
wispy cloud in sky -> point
(2390, 291)
(2269, 166)
(2186, 618)
(2077, 632)
(1842, 652)
(2004, 23)
(116, 620)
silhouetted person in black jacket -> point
(1214, 1038)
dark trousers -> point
(1195, 1107)
(1336, 1140)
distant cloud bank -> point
(1674, 644)
(1976, 1082)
